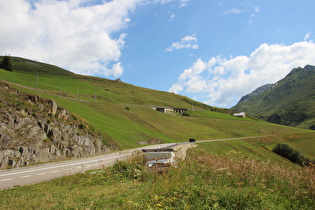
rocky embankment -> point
(35, 130)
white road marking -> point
(60, 166)
(54, 171)
(22, 177)
(4, 180)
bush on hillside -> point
(6, 63)
(294, 156)
(186, 114)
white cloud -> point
(185, 42)
(233, 11)
(172, 16)
(253, 15)
(176, 88)
(222, 82)
(163, 1)
(66, 33)
(307, 36)
(183, 3)
(117, 70)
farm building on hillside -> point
(169, 109)
(241, 114)
(162, 108)
(180, 110)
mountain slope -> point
(117, 110)
(120, 112)
(291, 101)
(56, 80)
(256, 92)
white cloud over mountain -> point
(222, 81)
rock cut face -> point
(36, 130)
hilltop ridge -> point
(289, 101)
(256, 92)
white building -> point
(241, 114)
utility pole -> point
(61, 90)
(36, 84)
(78, 94)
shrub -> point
(312, 127)
(132, 169)
(294, 156)
(6, 63)
(186, 114)
(126, 170)
(82, 126)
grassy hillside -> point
(120, 112)
(59, 81)
(291, 101)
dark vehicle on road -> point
(192, 140)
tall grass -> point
(207, 181)
(202, 181)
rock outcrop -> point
(35, 130)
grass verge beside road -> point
(202, 181)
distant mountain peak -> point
(256, 92)
(309, 67)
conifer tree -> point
(6, 63)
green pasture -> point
(304, 143)
(121, 112)
(242, 148)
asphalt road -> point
(43, 172)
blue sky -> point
(213, 51)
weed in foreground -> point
(206, 181)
